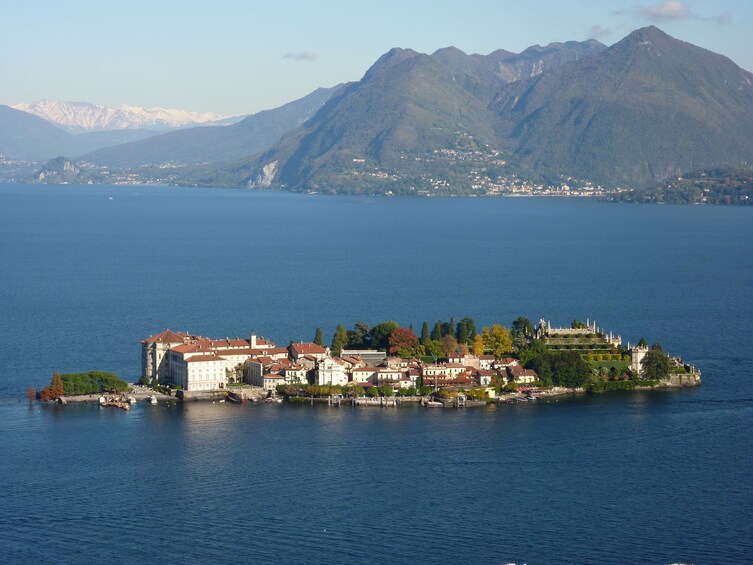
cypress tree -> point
(318, 338)
(436, 332)
(339, 340)
(425, 337)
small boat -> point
(114, 402)
(152, 399)
(131, 400)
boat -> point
(131, 400)
(152, 399)
(114, 402)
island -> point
(448, 365)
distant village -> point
(199, 364)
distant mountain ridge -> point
(254, 133)
(83, 116)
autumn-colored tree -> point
(497, 339)
(403, 340)
(449, 344)
(380, 335)
(31, 394)
(478, 345)
(54, 390)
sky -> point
(237, 57)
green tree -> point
(655, 365)
(425, 335)
(466, 331)
(358, 337)
(436, 331)
(318, 338)
(522, 333)
(387, 391)
(643, 342)
(570, 369)
(435, 348)
(372, 392)
(449, 328)
(380, 334)
(339, 340)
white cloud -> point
(301, 56)
(597, 31)
(670, 10)
(673, 10)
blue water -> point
(86, 272)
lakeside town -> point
(449, 365)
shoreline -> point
(141, 394)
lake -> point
(89, 271)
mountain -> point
(254, 133)
(82, 116)
(27, 137)
(412, 117)
(647, 108)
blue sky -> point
(235, 57)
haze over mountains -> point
(82, 116)
(645, 109)
(254, 133)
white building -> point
(200, 372)
(332, 371)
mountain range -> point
(648, 108)
(78, 117)
(252, 134)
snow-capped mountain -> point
(82, 116)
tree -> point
(570, 369)
(523, 326)
(318, 338)
(339, 340)
(478, 345)
(655, 364)
(358, 337)
(31, 394)
(436, 331)
(449, 328)
(497, 339)
(643, 342)
(54, 390)
(425, 336)
(435, 348)
(403, 341)
(466, 331)
(372, 392)
(387, 391)
(522, 333)
(380, 334)
(449, 344)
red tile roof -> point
(305, 348)
(168, 336)
(200, 358)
